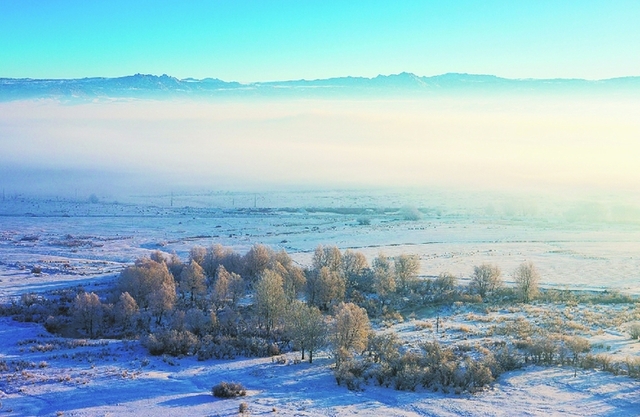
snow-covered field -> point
(82, 243)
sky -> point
(520, 142)
(240, 40)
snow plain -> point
(78, 243)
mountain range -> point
(164, 86)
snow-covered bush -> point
(172, 342)
(351, 372)
(228, 390)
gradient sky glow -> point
(274, 40)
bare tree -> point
(577, 345)
(445, 283)
(486, 278)
(406, 268)
(354, 265)
(384, 282)
(527, 277)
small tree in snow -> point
(486, 278)
(270, 300)
(527, 278)
(307, 328)
(350, 331)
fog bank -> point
(508, 143)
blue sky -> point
(274, 40)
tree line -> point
(219, 303)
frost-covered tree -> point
(325, 288)
(197, 254)
(87, 312)
(227, 289)
(293, 276)
(445, 283)
(527, 278)
(384, 282)
(351, 329)
(192, 284)
(175, 265)
(125, 311)
(256, 261)
(354, 265)
(486, 278)
(144, 279)
(406, 268)
(162, 299)
(329, 257)
(158, 256)
(218, 255)
(307, 327)
(270, 300)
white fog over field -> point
(512, 142)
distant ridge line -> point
(405, 83)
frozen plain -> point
(82, 243)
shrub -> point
(243, 408)
(634, 331)
(229, 390)
(54, 324)
(171, 342)
(350, 372)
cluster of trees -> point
(487, 279)
(171, 303)
(219, 303)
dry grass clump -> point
(634, 330)
(422, 325)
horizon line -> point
(323, 79)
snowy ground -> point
(80, 243)
(120, 379)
